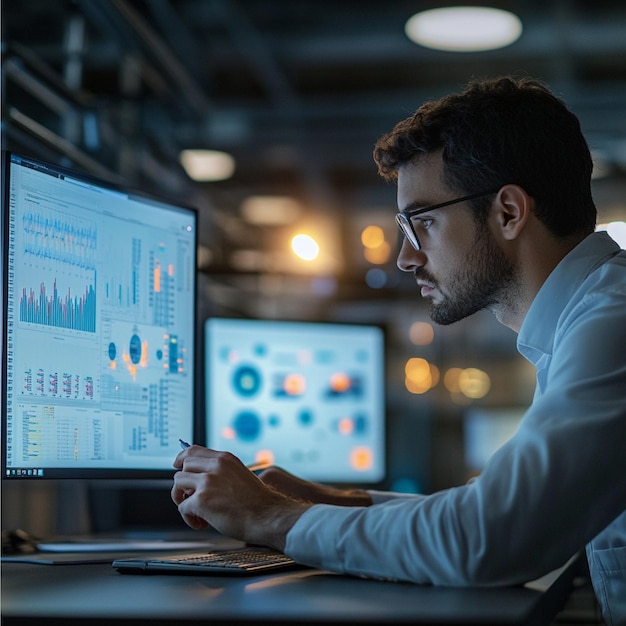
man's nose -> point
(409, 258)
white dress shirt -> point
(556, 484)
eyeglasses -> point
(404, 218)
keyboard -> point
(237, 561)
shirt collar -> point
(536, 335)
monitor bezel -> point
(108, 473)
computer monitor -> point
(98, 329)
(485, 430)
(306, 396)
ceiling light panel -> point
(464, 29)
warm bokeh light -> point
(474, 383)
(305, 247)
(372, 236)
(375, 249)
(434, 374)
(378, 255)
(207, 165)
(417, 368)
(420, 375)
(270, 210)
(451, 379)
(421, 333)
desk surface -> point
(96, 594)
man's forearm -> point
(275, 522)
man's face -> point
(460, 267)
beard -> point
(486, 281)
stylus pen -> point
(253, 467)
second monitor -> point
(308, 397)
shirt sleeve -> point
(558, 482)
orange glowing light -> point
(340, 382)
(170, 269)
(421, 376)
(265, 457)
(421, 333)
(228, 432)
(294, 384)
(346, 426)
(373, 236)
(378, 255)
(451, 379)
(361, 458)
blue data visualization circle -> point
(134, 349)
(305, 417)
(274, 420)
(247, 381)
(247, 426)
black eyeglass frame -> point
(403, 218)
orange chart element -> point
(362, 458)
(294, 384)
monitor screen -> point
(308, 397)
(485, 431)
(99, 290)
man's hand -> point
(215, 488)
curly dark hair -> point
(500, 131)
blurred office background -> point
(291, 96)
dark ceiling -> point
(297, 90)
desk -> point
(95, 594)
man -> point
(495, 204)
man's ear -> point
(513, 207)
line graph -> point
(60, 238)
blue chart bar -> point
(74, 313)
